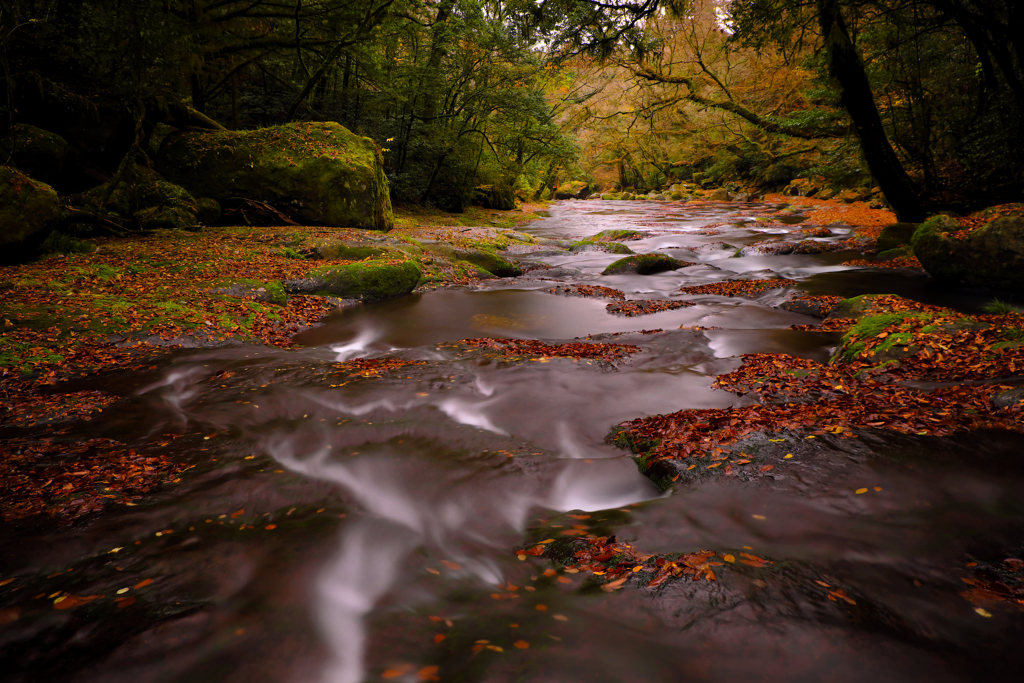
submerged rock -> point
(645, 264)
(990, 257)
(28, 210)
(492, 263)
(316, 173)
(366, 280)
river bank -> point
(797, 414)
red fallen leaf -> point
(72, 601)
(451, 565)
(238, 513)
(124, 602)
(143, 583)
(767, 468)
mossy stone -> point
(28, 210)
(366, 280)
(573, 189)
(609, 247)
(895, 235)
(36, 152)
(318, 173)
(645, 264)
(489, 261)
(991, 257)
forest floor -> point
(130, 301)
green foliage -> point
(288, 252)
(998, 307)
(60, 243)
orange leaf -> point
(521, 644)
(451, 565)
(237, 514)
(144, 582)
(439, 637)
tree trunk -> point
(846, 67)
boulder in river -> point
(573, 189)
(366, 280)
(490, 262)
(316, 173)
(645, 264)
(990, 257)
(28, 210)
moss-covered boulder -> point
(28, 210)
(574, 189)
(645, 264)
(489, 261)
(501, 197)
(990, 257)
(34, 151)
(895, 235)
(366, 280)
(148, 198)
(609, 247)
(316, 173)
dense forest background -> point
(480, 100)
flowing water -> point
(345, 530)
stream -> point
(341, 530)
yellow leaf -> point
(859, 491)
(729, 558)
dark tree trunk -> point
(846, 67)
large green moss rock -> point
(28, 210)
(895, 235)
(644, 264)
(316, 173)
(574, 189)
(366, 280)
(492, 263)
(34, 151)
(990, 257)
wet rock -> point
(815, 309)
(609, 247)
(35, 152)
(28, 210)
(365, 281)
(895, 235)
(645, 264)
(1008, 398)
(266, 292)
(498, 197)
(316, 173)
(489, 261)
(720, 195)
(990, 257)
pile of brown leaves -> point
(587, 291)
(898, 262)
(645, 306)
(803, 395)
(67, 481)
(374, 367)
(510, 348)
(615, 562)
(738, 287)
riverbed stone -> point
(573, 189)
(645, 264)
(991, 257)
(366, 280)
(265, 292)
(28, 210)
(316, 173)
